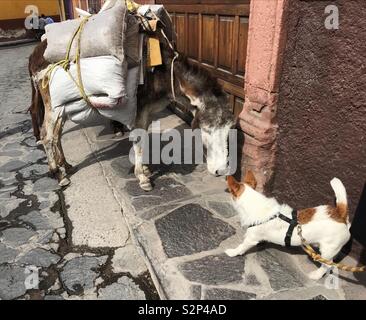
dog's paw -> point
(232, 252)
(316, 275)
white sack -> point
(124, 112)
(103, 79)
(103, 34)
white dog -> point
(267, 220)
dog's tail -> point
(341, 197)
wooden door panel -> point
(180, 25)
(242, 46)
(214, 34)
(193, 36)
(225, 43)
(208, 39)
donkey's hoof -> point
(146, 186)
(64, 182)
(69, 168)
(39, 142)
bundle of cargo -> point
(102, 35)
(97, 63)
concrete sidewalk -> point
(183, 226)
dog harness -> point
(292, 224)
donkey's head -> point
(212, 114)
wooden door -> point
(214, 34)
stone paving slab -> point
(177, 230)
(282, 274)
(143, 200)
(214, 270)
(123, 289)
(226, 294)
(12, 279)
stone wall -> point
(321, 114)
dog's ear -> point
(250, 179)
(236, 188)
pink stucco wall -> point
(264, 60)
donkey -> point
(208, 102)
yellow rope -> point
(317, 257)
(176, 55)
(65, 63)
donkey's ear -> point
(189, 91)
(236, 188)
(250, 179)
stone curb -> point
(16, 43)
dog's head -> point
(237, 188)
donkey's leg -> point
(142, 172)
(47, 139)
(33, 109)
(143, 121)
(140, 169)
(61, 160)
(63, 163)
(63, 166)
(52, 127)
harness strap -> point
(292, 224)
(145, 24)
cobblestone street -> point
(36, 235)
(102, 237)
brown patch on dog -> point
(306, 215)
(339, 213)
(236, 188)
(250, 179)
